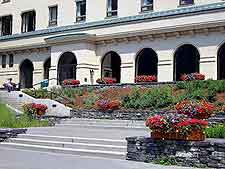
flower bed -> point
(34, 110)
(68, 82)
(192, 76)
(176, 127)
(106, 80)
(108, 105)
(146, 78)
(197, 109)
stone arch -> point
(221, 62)
(186, 60)
(146, 62)
(111, 66)
(26, 74)
(47, 65)
(67, 66)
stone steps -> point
(107, 148)
(122, 127)
(87, 140)
(71, 151)
(75, 145)
(102, 123)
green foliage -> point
(37, 93)
(216, 131)
(166, 161)
(197, 94)
(155, 98)
(8, 119)
(90, 101)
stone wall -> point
(209, 153)
(8, 133)
(112, 115)
(131, 115)
(122, 85)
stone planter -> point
(197, 135)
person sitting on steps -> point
(9, 85)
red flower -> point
(192, 122)
(106, 80)
(146, 78)
(192, 76)
(71, 82)
(75, 82)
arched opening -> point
(26, 74)
(221, 63)
(147, 62)
(67, 67)
(47, 66)
(111, 64)
(186, 61)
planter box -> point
(197, 135)
(203, 116)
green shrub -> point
(90, 101)
(155, 98)
(37, 93)
(216, 131)
(197, 94)
(181, 85)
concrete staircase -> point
(16, 99)
(84, 137)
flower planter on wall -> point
(197, 135)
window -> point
(5, 1)
(112, 7)
(81, 10)
(10, 60)
(186, 2)
(28, 21)
(53, 15)
(6, 25)
(3, 61)
(146, 5)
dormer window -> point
(28, 21)
(112, 8)
(81, 10)
(53, 15)
(5, 1)
(146, 5)
(186, 2)
(6, 25)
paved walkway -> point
(21, 159)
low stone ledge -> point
(209, 153)
(122, 85)
(9, 133)
(130, 115)
(112, 115)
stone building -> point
(88, 39)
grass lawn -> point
(8, 119)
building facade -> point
(86, 40)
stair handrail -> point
(36, 84)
